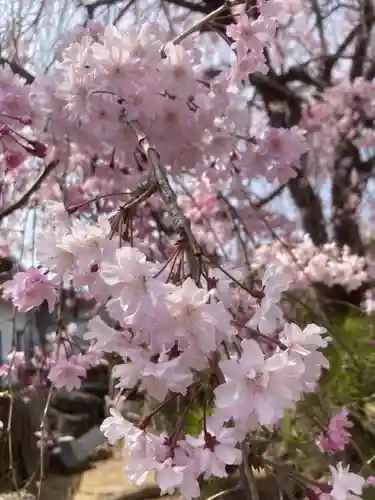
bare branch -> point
(123, 11)
(94, 4)
(18, 70)
(192, 6)
(199, 24)
(331, 60)
(21, 202)
(363, 41)
(267, 199)
(320, 25)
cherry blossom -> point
(345, 484)
(217, 447)
(197, 320)
(262, 382)
(67, 374)
(29, 289)
(336, 436)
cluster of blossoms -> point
(102, 72)
(345, 110)
(16, 120)
(46, 363)
(171, 335)
(182, 325)
(336, 436)
(169, 338)
(309, 264)
(250, 39)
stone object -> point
(76, 402)
(143, 493)
(71, 424)
(96, 388)
(75, 454)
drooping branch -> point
(22, 201)
(18, 70)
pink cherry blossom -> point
(345, 485)
(216, 447)
(264, 383)
(336, 436)
(116, 427)
(67, 374)
(29, 289)
(197, 320)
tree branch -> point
(310, 207)
(18, 70)
(363, 41)
(32, 189)
(267, 199)
(284, 110)
(346, 198)
(332, 59)
(192, 6)
(94, 4)
(320, 25)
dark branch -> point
(18, 70)
(346, 198)
(362, 41)
(332, 59)
(301, 74)
(192, 6)
(21, 202)
(310, 208)
(267, 199)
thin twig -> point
(199, 24)
(29, 192)
(169, 197)
(228, 491)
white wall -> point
(23, 322)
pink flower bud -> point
(13, 159)
(4, 130)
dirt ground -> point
(102, 481)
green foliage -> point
(351, 377)
(193, 421)
(350, 383)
